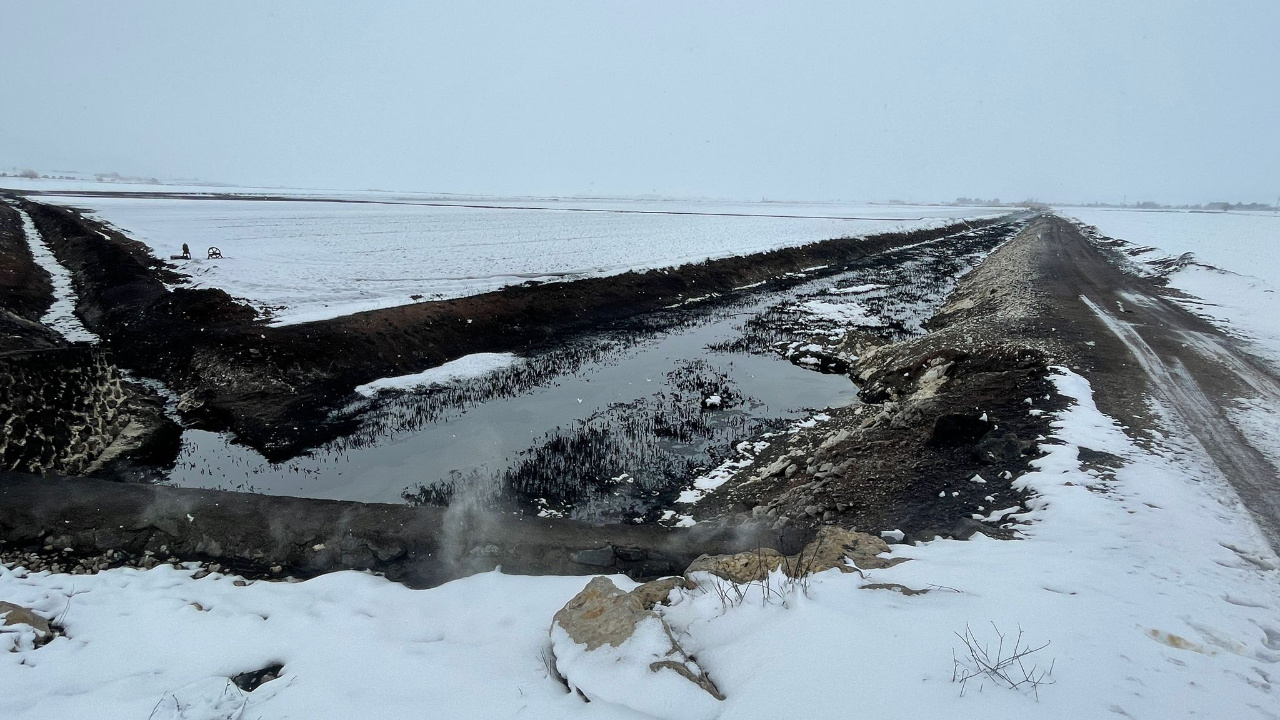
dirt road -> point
(1143, 343)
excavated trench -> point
(554, 436)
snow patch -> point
(464, 368)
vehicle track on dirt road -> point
(1147, 344)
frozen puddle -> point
(61, 314)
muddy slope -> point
(950, 420)
(274, 386)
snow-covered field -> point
(310, 259)
(1155, 592)
(1239, 290)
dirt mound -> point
(949, 420)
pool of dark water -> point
(609, 436)
(613, 426)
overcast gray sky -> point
(1082, 100)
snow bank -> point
(1153, 587)
(466, 367)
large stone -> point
(599, 557)
(834, 548)
(11, 614)
(610, 647)
(743, 567)
(656, 592)
(959, 429)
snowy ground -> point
(310, 260)
(1239, 291)
(1156, 593)
(466, 367)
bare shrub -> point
(1005, 666)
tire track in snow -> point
(1253, 476)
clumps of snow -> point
(809, 422)
(674, 519)
(711, 401)
(705, 483)
(856, 289)
(842, 313)
(464, 368)
(544, 511)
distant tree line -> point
(1221, 206)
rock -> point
(189, 401)
(741, 568)
(484, 551)
(655, 592)
(958, 429)
(11, 614)
(835, 439)
(965, 528)
(790, 471)
(777, 467)
(833, 546)
(253, 679)
(597, 557)
(895, 587)
(1002, 448)
(630, 554)
(610, 648)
